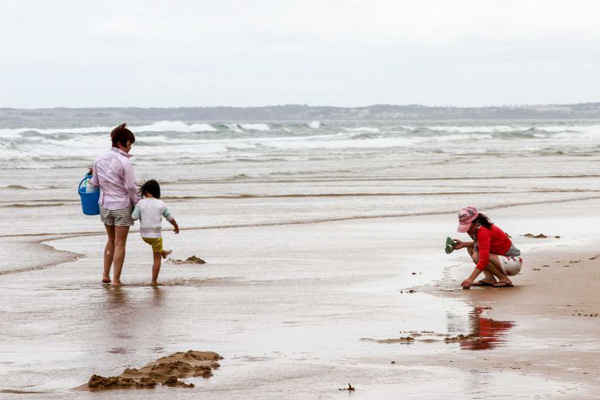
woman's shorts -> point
(120, 217)
(156, 243)
(511, 265)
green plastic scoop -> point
(449, 245)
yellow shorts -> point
(156, 243)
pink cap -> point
(466, 216)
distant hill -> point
(12, 117)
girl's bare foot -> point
(154, 283)
(165, 253)
(485, 282)
(105, 280)
(116, 283)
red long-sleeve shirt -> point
(491, 241)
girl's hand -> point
(459, 244)
(176, 230)
(467, 283)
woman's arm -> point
(467, 283)
(459, 244)
(94, 181)
(484, 238)
(130, 183)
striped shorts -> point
(120, 217)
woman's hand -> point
(467, 283)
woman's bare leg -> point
(121, 233)
(495, 268)
(109, 251)
(489, 277)
(492, 270)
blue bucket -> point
(89, 201)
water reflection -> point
(116, 297)
(486, 333)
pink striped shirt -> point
(113, 172)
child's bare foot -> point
(165, 253)
(154, 283)
(116, 283)
(105, 280)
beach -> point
(324, 264)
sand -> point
(166, 371)
(556, 302)
(287, 306)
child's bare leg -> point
(121, 233)
(109, 251)
(165, 253)
(156, 268)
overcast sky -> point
(316, 52)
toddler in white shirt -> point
(150, 210)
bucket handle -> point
(83, 180)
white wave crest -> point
(233, 127)
(173, 126)
(314, 124)
(255, 127)
(367, 129)
(16, 132)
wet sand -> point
(300, 311)
(167, 371)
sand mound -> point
(189, 260)
(166, 371)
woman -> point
(113, 172)
(491, 250)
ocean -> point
(302, 172)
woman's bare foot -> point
(165, 253)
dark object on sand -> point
(189, 260)
(461, 338)
(350, 388)
(540, 236)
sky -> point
(349, 53)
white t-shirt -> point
(150, 212)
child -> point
(150, 210)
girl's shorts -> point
(156, 243)
(511, 265)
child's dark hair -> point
(483, 220)
(121, 135)
(152, 188)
